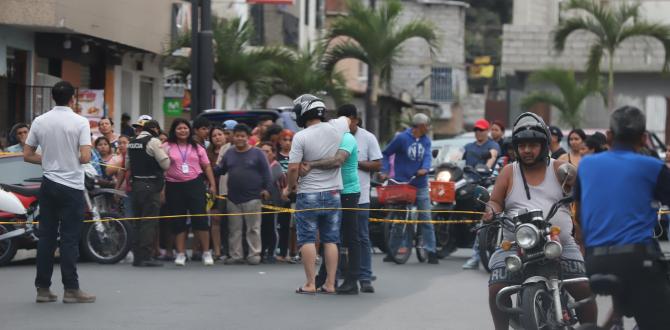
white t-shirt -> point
(368, 150)
(59, 133)
(316, 142)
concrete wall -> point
(142, 24)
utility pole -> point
(202, 58)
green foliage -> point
(570, 97)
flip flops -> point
(300, 290)
(321, 290)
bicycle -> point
(401, 235)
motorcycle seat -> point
(21, 190)
(605, 284)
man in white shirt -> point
(65, 140)
(369, 161)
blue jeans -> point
(60, 207)
(427, 229)
(327, 222)
(365, 273)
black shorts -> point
(645, 285)
(186, 198)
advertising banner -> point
(90, 104)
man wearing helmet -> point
(531, 182)
(318, 189)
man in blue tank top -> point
(615, 191)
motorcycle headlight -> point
(527, 236)
(553, 250)
(443, 176)
(513, 263)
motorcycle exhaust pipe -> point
(12, 234)
(506, 292)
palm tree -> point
(571, 94)
(611, 26)
(304, 73)
(234, 60)
(374, 36)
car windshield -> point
(13, 170)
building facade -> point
(528, 47)
(100, 45)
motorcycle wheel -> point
(421, 253)
(537, 308)
(446, 243)
(399, 237)
(8, 247)
(487, 240)
(109, 246)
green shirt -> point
(350, 166)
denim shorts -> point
(327, 222)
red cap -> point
(482, 124)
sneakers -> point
(45, 295)
(207, 259)
(366, 286)
(432, 258)
(180, 260)
(77, 297)
(472, 263)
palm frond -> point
(593, 62)
(658, 32)
(347, 49)
(567, 27)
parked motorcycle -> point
(105, 240)
(542, 301)
(456, 189)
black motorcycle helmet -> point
(530, 127)
(308, 106)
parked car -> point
(282, 116)
(13, 170)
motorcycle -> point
(458, 189)
(542, 301)
(105, 240)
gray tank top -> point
(542, 197)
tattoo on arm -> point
(331, 162)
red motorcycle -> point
(104, 240)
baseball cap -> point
(420, 118)
(229, 124)
(555, 131)
(141, 120)
(482, 124)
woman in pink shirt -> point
(185, 188)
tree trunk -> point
(372, 111)
(610, 84)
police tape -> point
(274, 210)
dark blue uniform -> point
(616, 190)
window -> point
(440, 84)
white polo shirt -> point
(59, 133)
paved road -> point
(411, 296)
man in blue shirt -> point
(615, 191)
(413, 159)
(483, 151)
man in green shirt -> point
(346, 159)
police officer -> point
(615, 190)
(147, 161)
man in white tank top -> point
(532, 183)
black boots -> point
(348, 287)
(432, 258)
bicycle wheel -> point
(400, 237)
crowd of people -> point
(324, 173)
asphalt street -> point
(410, 296)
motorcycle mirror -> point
(482, 194)
(435, 153)
(567, 173)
